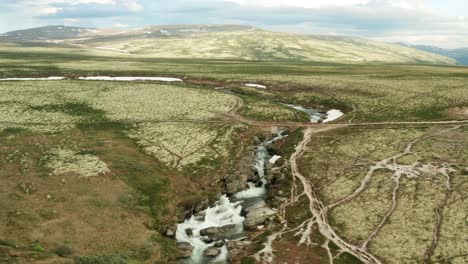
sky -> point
(442, 23)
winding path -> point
(318, 209)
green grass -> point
(74, 109)
(38, 247)
(372, 92)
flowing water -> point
(226, 211)
(316, 116)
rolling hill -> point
(225, 42)
(460, 55)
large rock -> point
(258, 216)
(209, 231)
(226, 228)
(237, 248)
(216, 231)
(258, 204)
(212, 252)
(237, 180)
(219, 244)
(189, 232)
(275, 176)
(185, 249)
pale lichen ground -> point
(63, 161)
(44, 106)
(432, 182)
(180, 144)
(263, 45)
(271, 111)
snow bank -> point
(255, 85)
(129, 79)
(333, 115)
(53, 78)
(274, 159)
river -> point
(226, 211)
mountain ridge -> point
(226, 42)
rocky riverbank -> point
(221, 232)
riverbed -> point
(227, 212)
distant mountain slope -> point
(460, 55)
(46, 33)
(228, 41)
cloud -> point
(390, 20)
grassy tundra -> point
(112, 164)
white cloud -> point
(133, 5)
(119, 25)
(300, 3)
(414, 21)
(48, 10)
(408, 4)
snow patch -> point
(254, 85)
(52, 78)
(332, 115)
(129, 79)
(164, 32)
(274, 159)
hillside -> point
(460, 55)
(227, 42)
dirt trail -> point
(319, 211)
(316, 208)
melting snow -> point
(333, 115)
(274, 159)
(259, 86)
(53, 78)
(107, 78)
(165, 32)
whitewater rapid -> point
(316, 116)
(226, 211)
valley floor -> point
(98, 172)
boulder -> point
(184, 249)
(237, 180)
(201, 206)
(219, 243)
(258, 216)
(212, 252)
(226, 228)
(169, 233)
(209, 231)
(275, 176)
(237, 248)
(258, 204)
(189, 232)
(207, 240)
